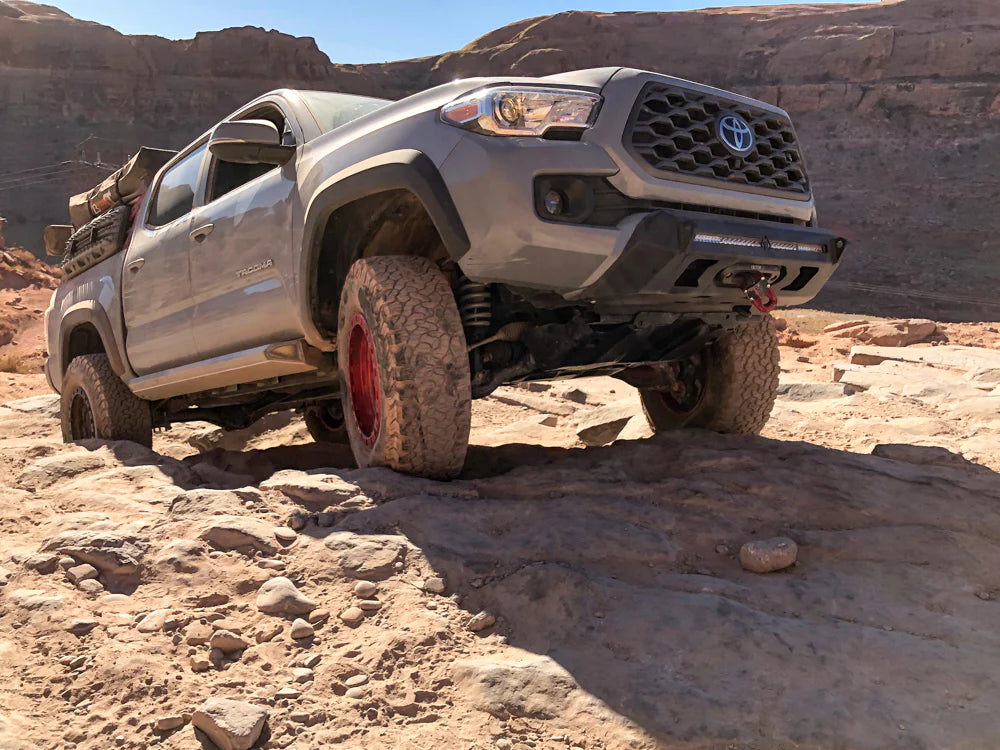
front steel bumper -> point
(683, 260)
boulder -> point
(886, 333)
(602, 425)
(311, 487)
(213, 502)
(231, 725)
(47, 471)
(240, 532)
(768, 555)
(367, 556)
(279, 596)
(115, 552)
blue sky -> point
(350, 32)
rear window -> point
(333, 110)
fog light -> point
(554, 203)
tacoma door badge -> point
(254, 268)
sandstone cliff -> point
(897, 103)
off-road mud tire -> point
(741, 384)
(321, 430)
(117, 413)
(424, 390)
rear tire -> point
(740, 383)
(404, 367)
(96, 404)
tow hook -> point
(758, 290)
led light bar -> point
(782, 245)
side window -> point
(226, 176)
(175, 194)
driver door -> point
(242, 269)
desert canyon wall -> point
(897, 103)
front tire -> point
(325, 423)
(738, 378)
(96, 404)
(404, 367)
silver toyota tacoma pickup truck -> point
(377, 265)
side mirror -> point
(249, 142)
(55, 238)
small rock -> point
(232, 725)
(355, 693)
(435, 585)
(721, 549)
(550, 420)
(285, 535)
(365, 589)
(299, 717)
(311, 661)
(370, 605)
(482, 621)
(166, 723)
(66, 562)
(768, 555)
(153, 622)
(318, 615)
(297, 521)
(81, 573)
(326, 520)
(270, 564)
(227, 641)
(90, 586)
(42, 562)
(356, 680)
(302, 674)
(279, 596)
(287, 693)
(268, 633)
(503, 744)
(302, 629)
(200, 664)
(352, 615)
(81, 626)
(198, 633)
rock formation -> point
(897, 104)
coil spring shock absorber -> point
(475, 305)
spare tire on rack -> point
(404, 367)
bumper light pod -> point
(522, 111)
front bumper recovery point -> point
(760, 293)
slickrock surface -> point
(557, 595)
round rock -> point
(356, 680)
(482, 621)
(280, 597)
(435, 585)
(768, 555)
(227, 641)
(352, 615)
(302, 629)
(285, 535)
(365, 589)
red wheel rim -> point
(362, 373)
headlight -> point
(522, 111)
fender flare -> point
(405, 169)
(90, 312)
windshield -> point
(333, 110)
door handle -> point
(199, 234)
(136, 264)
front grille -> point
(673, 131)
